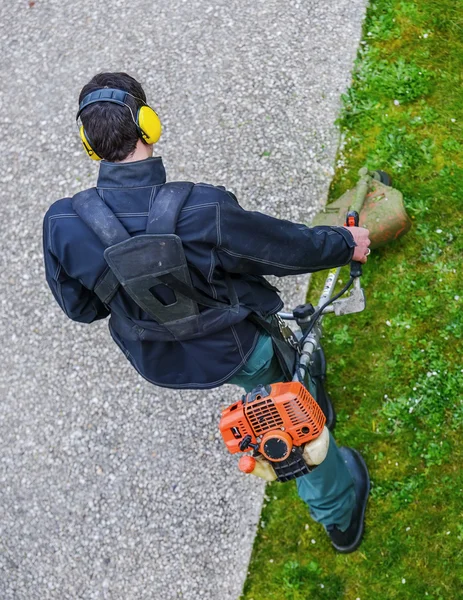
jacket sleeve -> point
(78, 303)
(252, 242)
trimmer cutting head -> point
(383, 212)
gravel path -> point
(111, 488)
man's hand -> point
(362, 239)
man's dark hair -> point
(110, 128)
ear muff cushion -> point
(149, 123)
(93, 155)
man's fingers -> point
(361, 253)
(362, 240)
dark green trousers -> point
(328, 490)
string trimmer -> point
(279, 429)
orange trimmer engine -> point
(274, 421)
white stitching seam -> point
(144, 214)
(209, 277)
(188, 208)
(217, 219)
(63, 216)
(138, 187)
(260, 260)
(238, 343)
(195, 386)
(252, 258)
(219, 232)
(58, 271)
(127, 215)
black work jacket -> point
(218, 237)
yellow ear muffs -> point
(149, 124)
(93, 155)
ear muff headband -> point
(147, 121)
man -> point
(205, 316)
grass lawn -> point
(395, 370)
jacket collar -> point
(142, 173)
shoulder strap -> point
(162, 220)
(96, 214)
(162, 217)
(168, 203)
(99, 217)
(103, 222)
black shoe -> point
(318, 373)
(349, 540)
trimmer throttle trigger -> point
(352, 220)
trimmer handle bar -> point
(352, 220)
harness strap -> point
(162, 219)
(107, 286)
(283, 346)
(104, 223)
(168, 203)
(99, 217)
